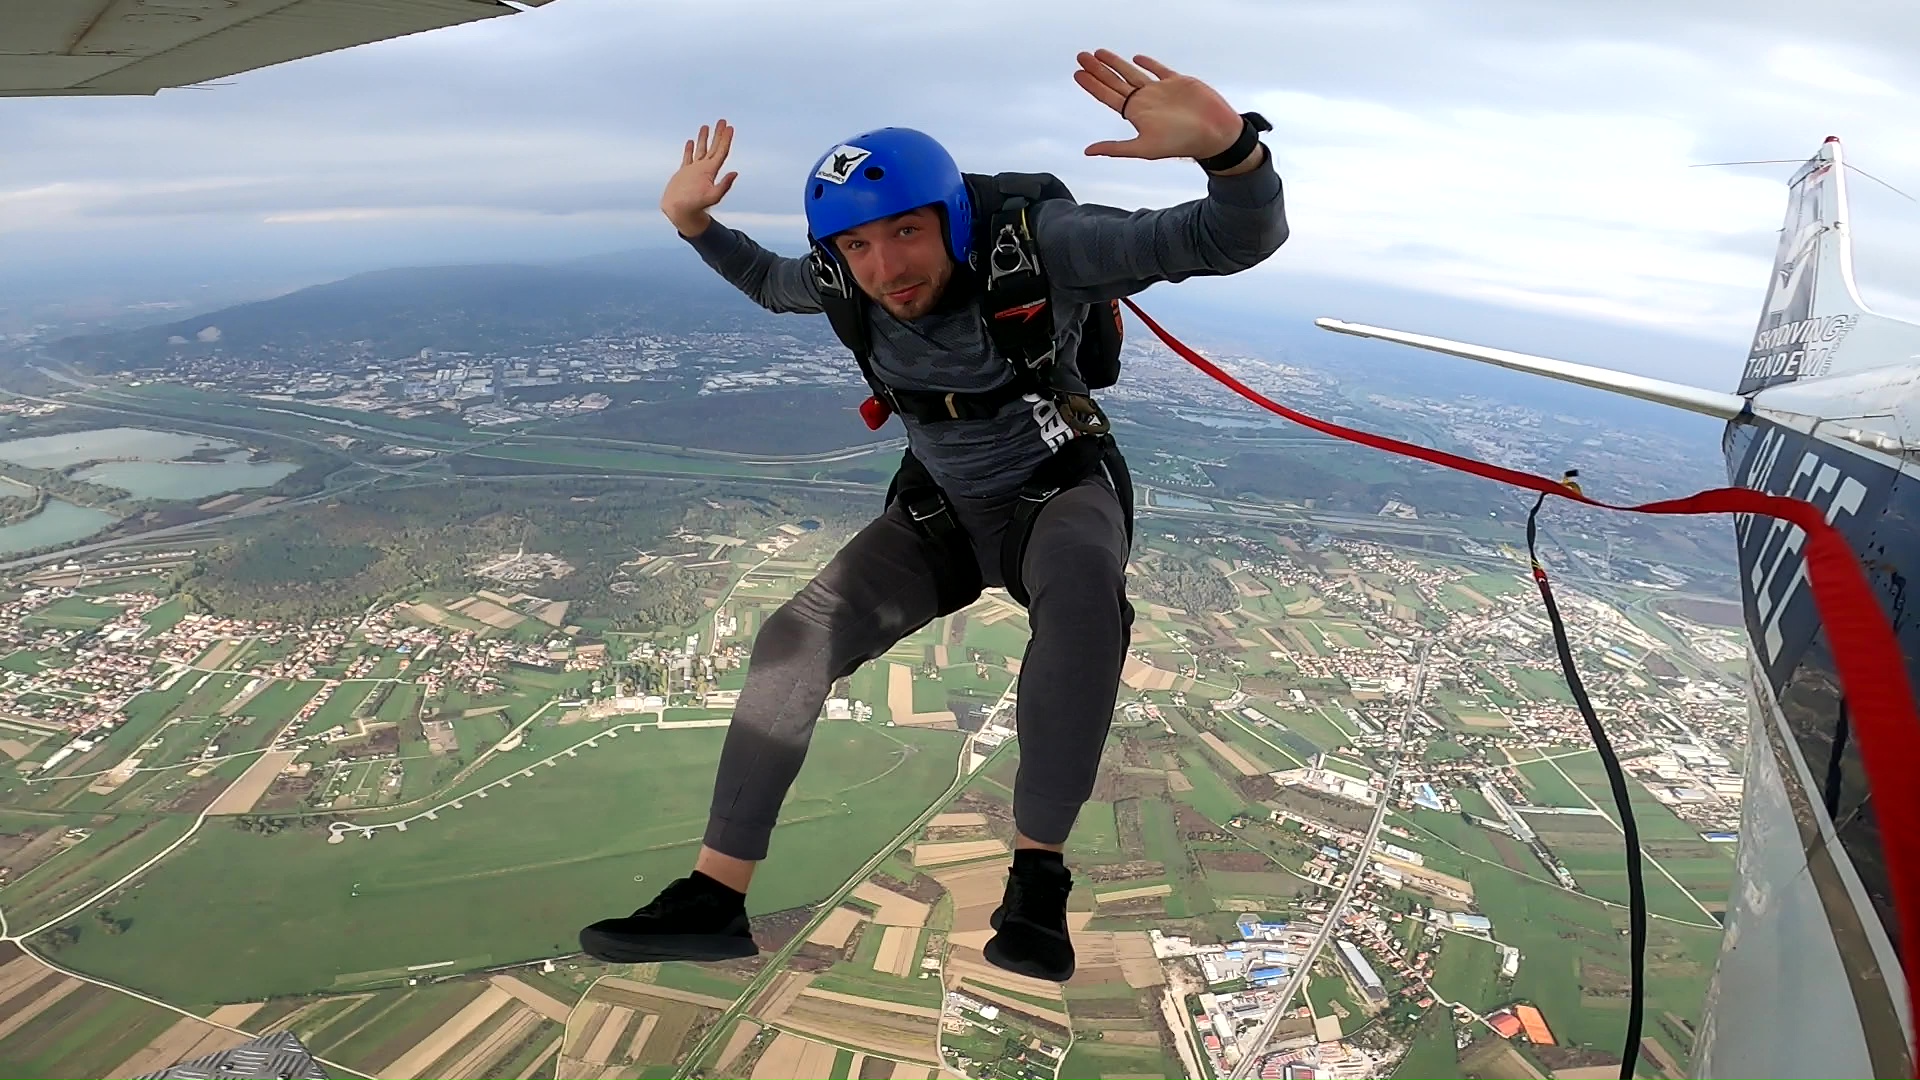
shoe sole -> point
(660, 948)
(1031, 969)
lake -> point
(60, 523)
(187, 480)
(144, 462)
(1212, 420)
(102, 444)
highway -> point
(1255, 1047)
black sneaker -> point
(695, 918)
(1031, 921)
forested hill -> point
(480, 308)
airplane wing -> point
(72, 47)
(1714, 403)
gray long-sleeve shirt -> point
(1091, 254)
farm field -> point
(513, 875)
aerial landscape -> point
(426, 658)
(410, 451)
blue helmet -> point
(878, 174)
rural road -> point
(1245, 1067)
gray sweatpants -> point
(880, 588)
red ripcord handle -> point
(1880, 704)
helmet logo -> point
(841, 162)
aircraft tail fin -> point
(1812, 307)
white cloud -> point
(1589, 214)
(1827, 69)
(1529, 155)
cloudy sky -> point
(1514, 154)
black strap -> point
(1073, 463)
(1017, 300)
(845, 307)
(959, 583)
(1617, 780)
(1251, 125)
(932, 406)
(1835, 776)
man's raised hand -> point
(693, 190)
(1176, 115)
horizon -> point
(1424, 157)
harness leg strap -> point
(926, 505)
(1067, 469)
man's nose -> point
(889, 261)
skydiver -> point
(891, 229)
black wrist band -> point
(1251, 125)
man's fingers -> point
(1101, 92)
(1129, 148)
(700, 144)
(1159, 69)
(1104, 74)
(1133, 75)
(686, 155)
(725, 185)
(722, 142)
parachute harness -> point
(1880, 710)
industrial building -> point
(1363, 974)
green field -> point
(1094, 1060)
(401, 702)
(859, 978)
(509, 877)
(1159, 835)
(29, 662)
(929, 695)
(372, 1040)
(1467, 972)
(1704, 870)
(1263, 746)
(1542, 685)
(278, 702)
(339, 709)
(1497, 585)
(869, 684)
(1210, 795)
(75, 611)
(1574, 958)
(1480, 846)
(1314, 727)
(1472, 802)
(1328, 987)
(1008, 637)
(166, 616)
(1354, 769)
(111, 851)
(1094, 832)
(88, 1033)
(1546, 787)
(1432, 1052)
